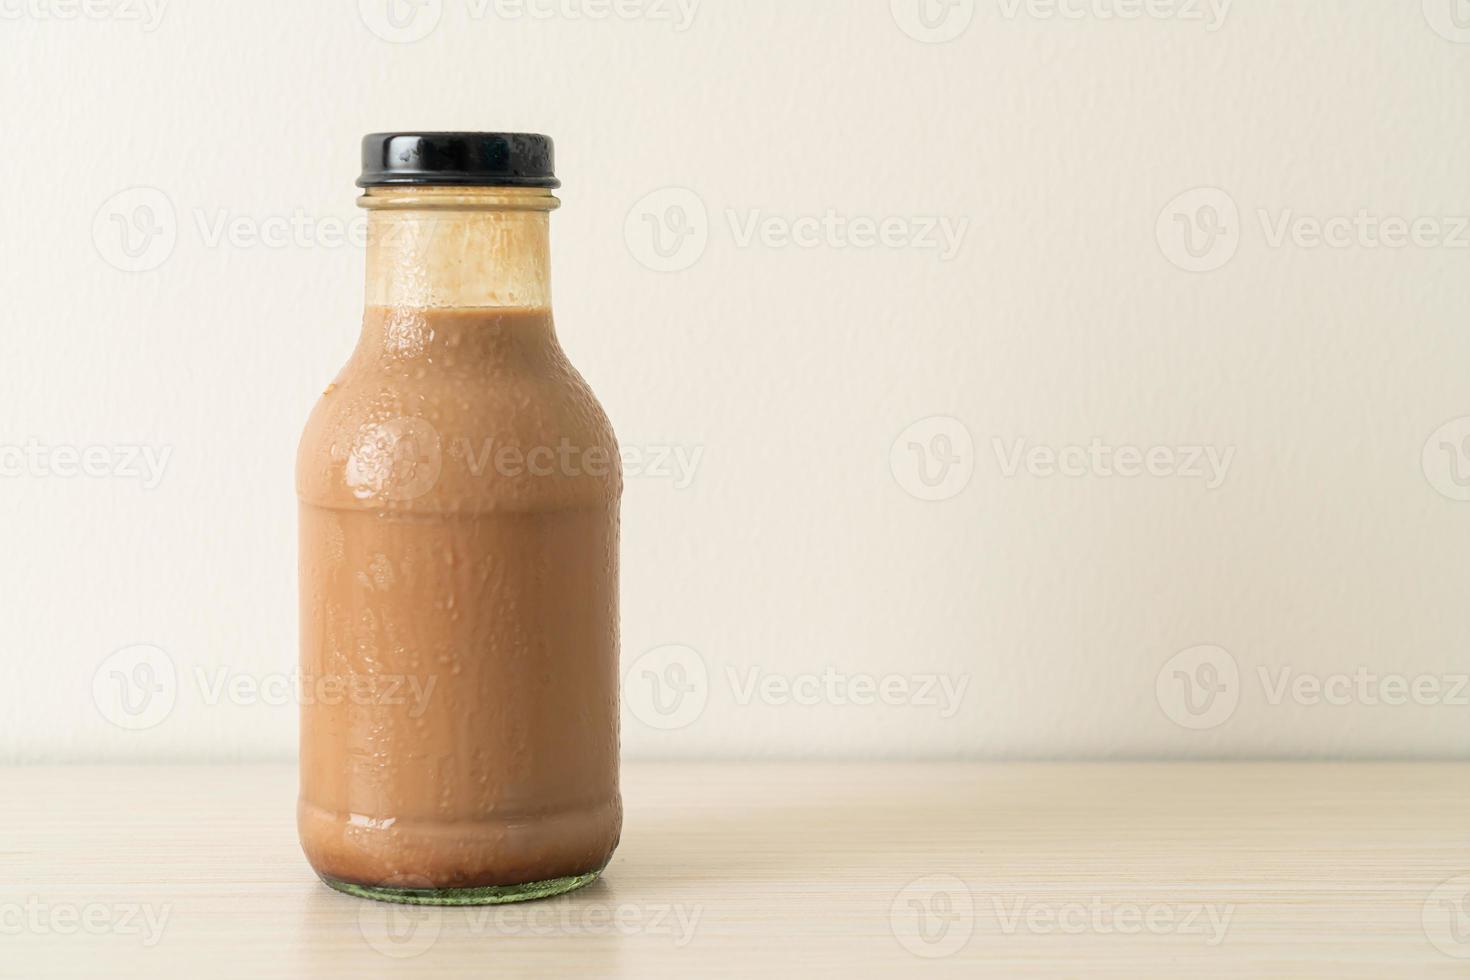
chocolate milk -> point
(459, 489)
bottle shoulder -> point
(420, 436)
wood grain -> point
(782, 870)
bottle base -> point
(487, 895)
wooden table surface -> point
(1177, 870)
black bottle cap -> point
(459, 159)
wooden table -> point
(774, 870)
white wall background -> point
(1335, 544)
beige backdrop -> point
(997, 379)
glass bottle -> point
(459, 489)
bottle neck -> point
(459, 247)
